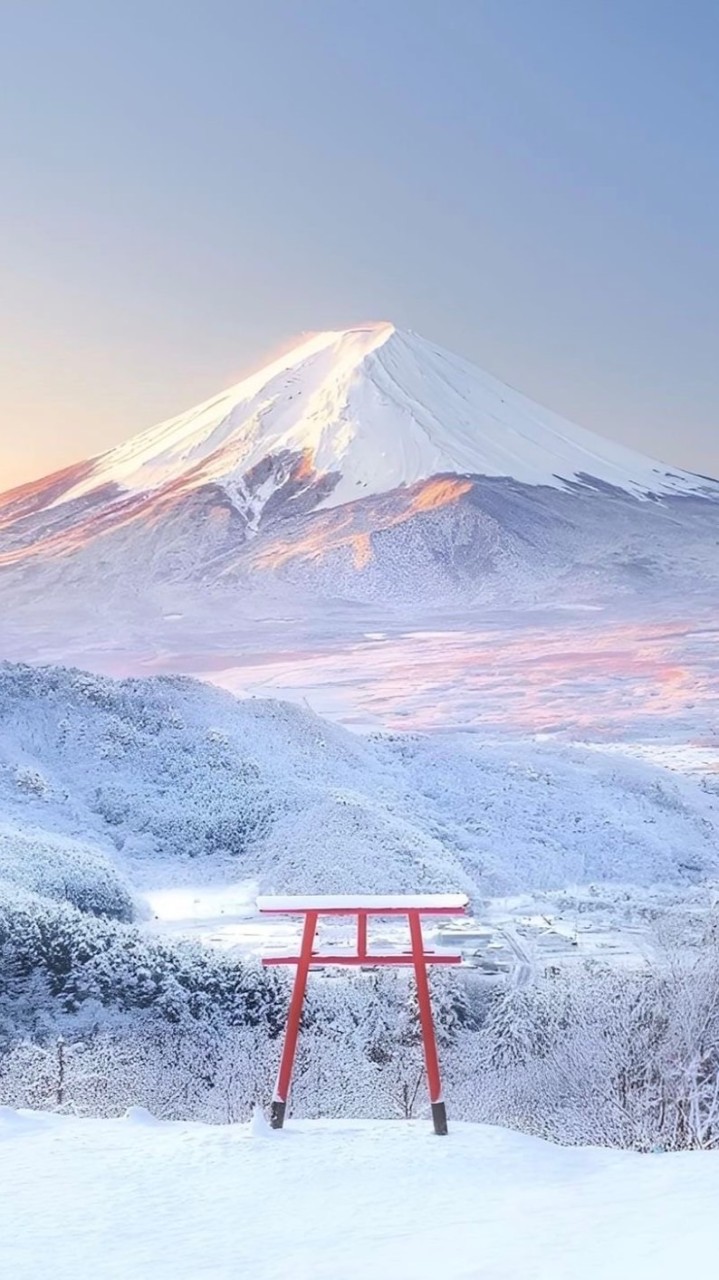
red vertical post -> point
(284, 1075)
(439, 1111)
(361, 935)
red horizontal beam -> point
(399, 959)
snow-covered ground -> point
(521, 936)
(226, 916)
(132, 1198)
(651, 681)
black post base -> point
(277, 1114)
(439, 1117)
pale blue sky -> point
(188, 183)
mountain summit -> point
(366, 411)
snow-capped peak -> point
(374, 408)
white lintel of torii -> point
(371, 904)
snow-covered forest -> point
(170, 777)
(607, 1059)
(108, 788)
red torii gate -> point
(412, 906)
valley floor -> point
(340, 1200)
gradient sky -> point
(185, 185)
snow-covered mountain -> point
(365, 411)
(363, 464)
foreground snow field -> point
(340, 1200)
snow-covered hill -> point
(167, 780)
(341, 1200)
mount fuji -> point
(365, 465)
(366, 411)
